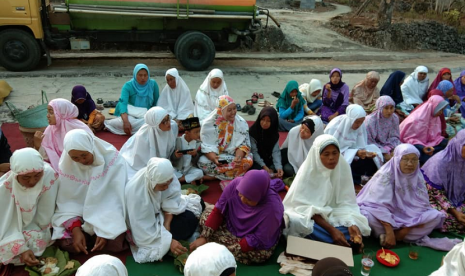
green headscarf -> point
(285, 99)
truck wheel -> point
(19, 50)
(195, 51)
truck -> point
(192, 29)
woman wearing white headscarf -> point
(312, 94)
(27, 193)
(301, 139)
(414, 89)
(321, 202)
(350, 131)
(102, 265)
(90, 202)
(166, 216)
(156, 138)
(206, 99)
(453, 263)
(211, 259)
(176, 97)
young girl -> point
(312, 94)
(290, 107)
(62, 118)
(206, 99)
(264, 139)
(88, 114)
(335, 97)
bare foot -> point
(401, 233)
(208, 178)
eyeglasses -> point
(411, 161)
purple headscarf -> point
(87, 107)
(397, 198)
(460, 89)
(261, 225)
(383, 132)
(446, 170)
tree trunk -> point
(385, 13)
(363, 7)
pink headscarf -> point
(66, 119)
(421, 127)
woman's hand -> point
(268, 170)
(279, 173)
(339, 238)
(192, 152)
(198, 242)
(127, 128)
(38, 137)
(455, 98)
(356, 236)
(28, 258)
(99, 244)
(177, 248)
(328, 88)
(79, 240)
(178, 154)
(362, 154)
(294, 102)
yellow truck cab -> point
(193, 29)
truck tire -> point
(195, 51)
(19, 50)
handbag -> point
(136, 112)
(31, 118)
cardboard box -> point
(318, 250)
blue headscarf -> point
(391, 87)
(144, 92)
(445, 86)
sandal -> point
(99, 101)
(238, 107)
(111, 111)
(99, 107)
(107, 104)
(246, 108)
(249, 102)
(251, 110)
(261, 104)
(276, 94)
(254, 98)
(260, 96)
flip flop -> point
(99, 101)
(111, 111)
(107, 104)
(251, 110)
(238, 107)
(254, 98)
(245, 109)
(276, 94)
(260, 96)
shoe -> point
(261, 104)
(249, 102)
(245, 109)
(260, 96)
(114, 103)
(251, 110)
(99, 101)
(276, 94)
(238, 107)
(254, 98)
(111, 111)
(107, 104)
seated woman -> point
(444, 174)
(321, 204)
(211, 259)
(444, 74)
(459, 84)
(392, 86)
(168, 216)
(298, 142)
(90, 212)
(88, 114)
(102, 265)
(335, 97)
(290, 107)
(453, 263)
(225, 142)
(264, 140)
(206, 99)
(247, 219)
(137, 94)
(414, 89)
(28, 194)
(176, 97)
(156, 138)
(312, 94)
(62, 118)
(366, 92)
(383, 127)
(423, 128)
(395, 201)
(350, 131)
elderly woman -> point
(176, 97)
(459, 84)
(395, 201)
(445, 174)
(414, 89)
(320, 204)
(211, 259)
(366, 92)
(90, 213)
(290, 106)
(88, 113)
(62, 117)
(383, 127)
(247, 219)
(206, 99)
(156, 138)
(423, 128)
(335, 97)
(312, 94)
(168, 216)
(350, 131)
(28, 193)
(137, 96)
(225, 142)
(298, 143)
